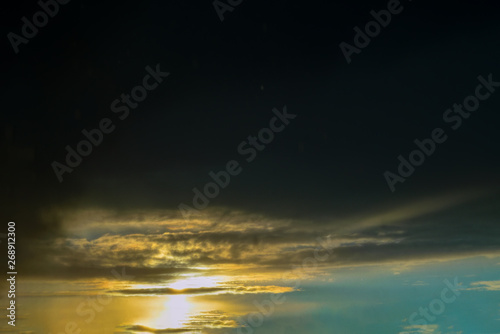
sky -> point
(252, 167)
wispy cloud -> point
(203, 321)
(485, 286)
(420, 329)
(145, 329)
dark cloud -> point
(446, 226)
(75, 271)
(169, 291)
(202, 290)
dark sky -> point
(353, 120)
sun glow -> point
(177, 310)
(176, 313)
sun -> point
(178, 309)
